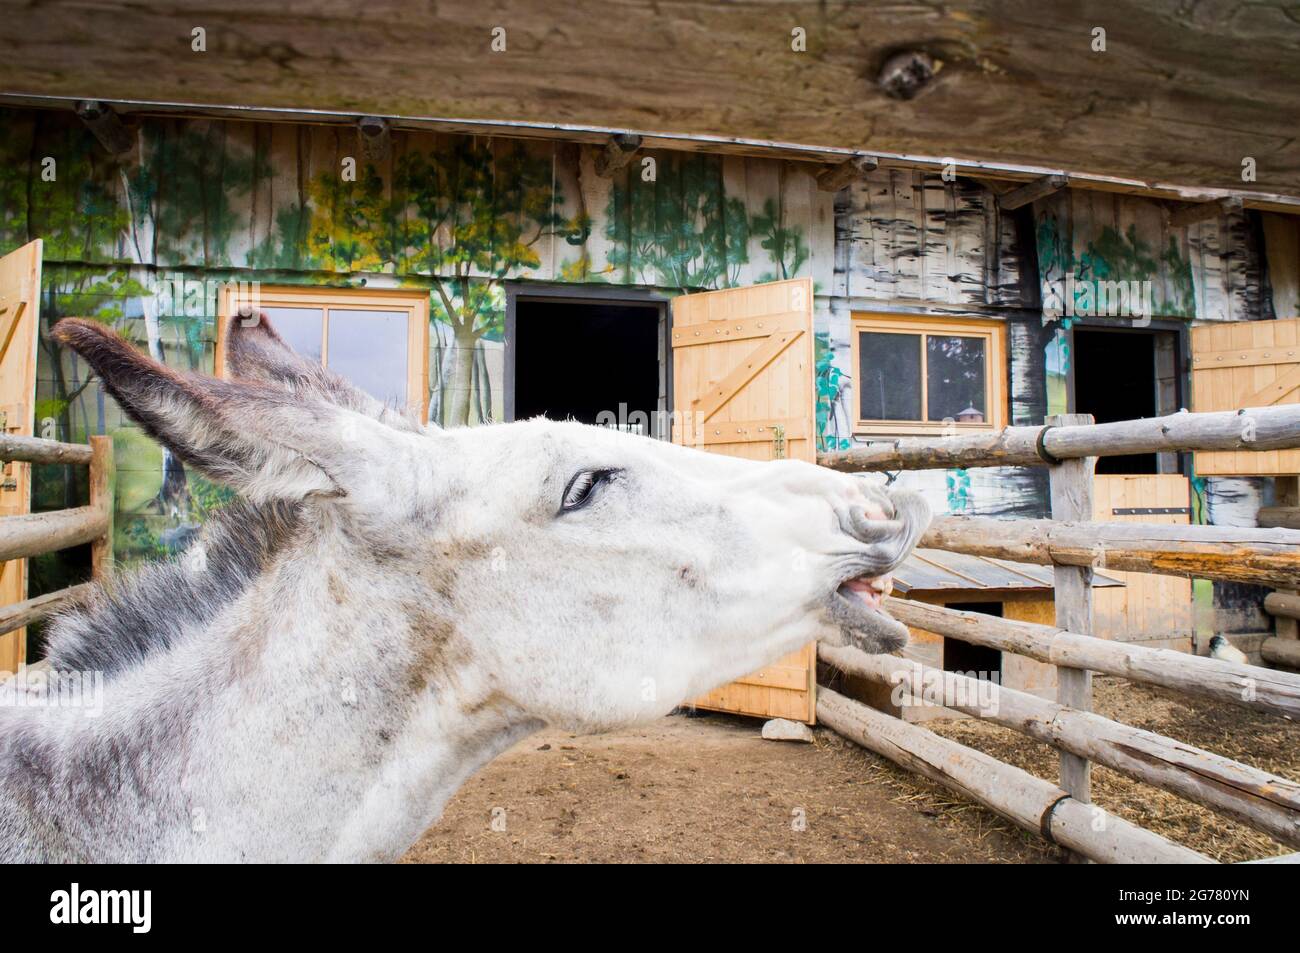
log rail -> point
(34, 534)
(1259, 428)
(1075, 547)
(1264, 557)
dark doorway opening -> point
(975, 661)
(1117, 376)
(591, 361)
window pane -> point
(369, 349)
(957, 378)
(301, 328)
(889, 376)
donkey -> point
(392, 605)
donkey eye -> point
(582, 487)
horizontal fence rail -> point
(1068, 445)
(1260, 800)
(1281, 651)
(37, 450)
(1266, 557)
(1261, 428)
(1283, 603)
(35, 534)
(31, 610)
(1030, 802)
(1248, 686)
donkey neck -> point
(274, 733)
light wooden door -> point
(743, 386)
(20, 291)
(1151, 609)
(1238, 364)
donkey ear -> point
(262, 440)
(256, 352)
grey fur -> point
(119, 626)
(396, 605)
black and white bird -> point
(1221, 648)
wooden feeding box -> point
(1246, 364)
(997, 587)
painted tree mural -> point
(680, 230)
(787, 248)
(1109, 255)
(834, 431)
(475, 214)
(202, 201)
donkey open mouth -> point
(392, 605)
(889, 525)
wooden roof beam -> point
(618, 152)
(1192, 212)
(106, 125)
(836, 177)
(376, 137)
(1032, 191)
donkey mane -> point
(149, 610)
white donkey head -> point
(594, 578)
(393, 605)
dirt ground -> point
(709, 789)
(1268, 742)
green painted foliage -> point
(680, 230)
(831, 383)
(1112, 256)
(787, 248)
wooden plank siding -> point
(219, 194)
(911, 236)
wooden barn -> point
(747, 296)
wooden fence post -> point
(103, 477)
(1071, 490)
(1288, 497)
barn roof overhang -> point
(1160, 97)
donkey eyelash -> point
(582, 487)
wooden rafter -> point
(1032, 191)
(1193, 212)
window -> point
(378, 340)
(923, 375)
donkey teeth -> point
(870, 590)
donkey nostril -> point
(875, 512)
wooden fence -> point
(1075, 546)
(34, 534)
